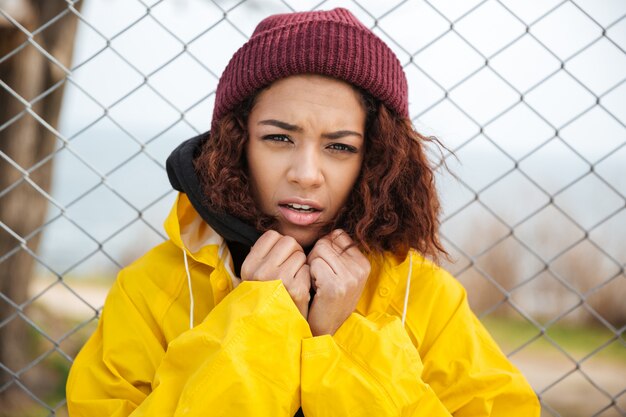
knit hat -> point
(332, 43)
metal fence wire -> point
(529, 96)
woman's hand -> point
(338, 276)
(275, 256)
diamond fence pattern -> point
(530, 99)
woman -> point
(295, 279)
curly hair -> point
(393, 206)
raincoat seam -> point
(220, 357)
(270, 300)
(240, 333)
(181, 277)
(408, 328)
(381, 387)
(450, 318)
(160, 336)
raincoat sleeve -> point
(371, 367)
(238, 361)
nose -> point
(305, 168)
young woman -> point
(296, 277)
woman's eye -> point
(342, 148)
(277, 138)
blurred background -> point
(529, 96)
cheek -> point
(256, 186)
(343, 182)
(263, 177)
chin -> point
(305, 238)
(307, 241)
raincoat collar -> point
(187, 230)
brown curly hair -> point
(393, 206)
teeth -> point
(300, 206)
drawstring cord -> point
(191, 301)
(408, 287)
(191, 304)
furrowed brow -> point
(282, 125)
(341, 134)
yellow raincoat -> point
(251, 353)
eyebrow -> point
(282, 125)
(295, 128)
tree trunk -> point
(24, 141)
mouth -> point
(301, 213)
(303, 208)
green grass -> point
(577, 340)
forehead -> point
(300, 95)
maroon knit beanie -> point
(332, 43)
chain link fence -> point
(530, 97)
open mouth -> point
(299, 214)
(303, 208)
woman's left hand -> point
(338, 276)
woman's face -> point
(305, 149)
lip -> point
(300, 218)
(301, 201)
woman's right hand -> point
(275, 256)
